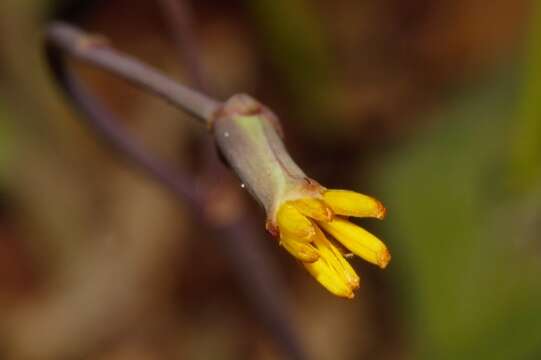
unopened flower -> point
(310, 221)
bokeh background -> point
(434, 107)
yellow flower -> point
(300, 222)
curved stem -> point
(106, 124)
(252, 266)
(96, 51)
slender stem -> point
(252, 266)
(96, 51)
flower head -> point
(310, 221)
(303, 226)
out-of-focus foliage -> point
(468, 244)
(291, 34)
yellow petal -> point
(302, 251)
(332, 255)
(294, 225)
(314, 208)
(328, 277)
(350, 203)
(358, 241)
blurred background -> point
(433, 107)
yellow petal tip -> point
(350, 203)
(381, 211)
(355, 283)
(384, 258)
(346, 294)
